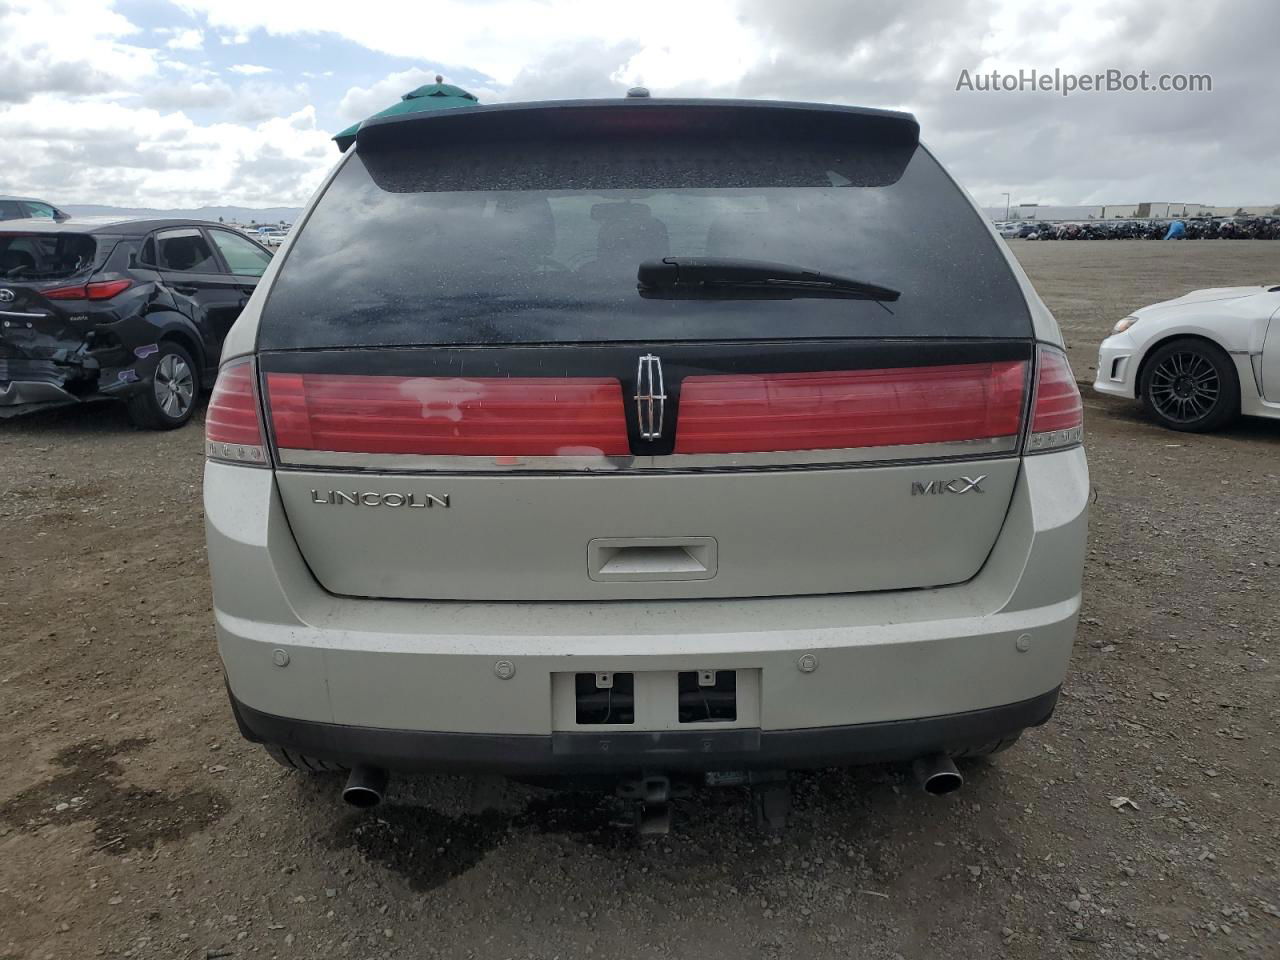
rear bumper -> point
(671, 750)
(27, 396)
(328, 670)
(29, 385)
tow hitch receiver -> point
(770, 800)
(652, 794)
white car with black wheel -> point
(1198, 362)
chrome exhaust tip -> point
(936, 774)
(365, 787)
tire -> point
(987, 749)
(292, 760)
(168, 397)
(1190, 384)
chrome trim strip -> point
(416, 463)
(25, 316)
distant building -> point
(1163, 211)
(1248, 210)
(1115, 211)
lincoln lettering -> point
(338, 498)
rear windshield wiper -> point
(730, 278)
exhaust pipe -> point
(365, 786)
(936, 774)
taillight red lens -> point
(99, 290)
(67, 293)
(516, 416)
(851, 408)
(232, 431)
(106, 289)
(1057, 416)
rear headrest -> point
(641, 238)
(738, 235)
(13, 259)
(181, 253)
(625, 210)
(529, 222)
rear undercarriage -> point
(649, 768)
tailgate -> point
(601, 351)
(42, 308)
(683, 470)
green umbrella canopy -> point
(433, 96)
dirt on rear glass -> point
(1142, 821)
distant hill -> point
(237, 214)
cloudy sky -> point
(168, 104)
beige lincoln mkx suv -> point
(649, 438)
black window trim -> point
(153, 239)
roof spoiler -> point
(642, 117)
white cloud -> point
(184, 39)
(85, 119)
(682, 40)
(360, 102)
(115, 154)
(584, 69)
(257, 101)
(77, 61)
(67, 47)
(196, 95)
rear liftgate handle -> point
(640, 559)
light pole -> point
(1006, 206)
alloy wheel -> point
(174, 385)
(1185, 387)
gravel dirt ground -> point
(134, 822)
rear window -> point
(45, 256)
(540, 243)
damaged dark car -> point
(134, 311)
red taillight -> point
(851, 408)
(67, 293)
(517, 416)
(99, 290)
(1057, 416)
(106, 289)
(232, 431)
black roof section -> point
(640, 117)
